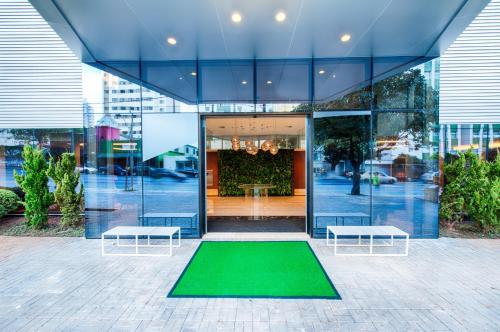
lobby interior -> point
(256, 173)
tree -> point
(67, 178)
(35, 184)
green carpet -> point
(254, 269)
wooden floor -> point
(292, 206)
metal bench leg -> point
(371, 244)
(137, 245)
(407, 244)
(335, 244)
(170, 240)
(118, 240)
(359, 239)
(102, 244)
(327, 237)
(149, 241)
(392, 240)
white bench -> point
(136, 232)
(369, 231)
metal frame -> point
(371, 245)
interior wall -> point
(212, 164)
(299, 169)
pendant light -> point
(235, 140)
(266, 146)
(274, 148)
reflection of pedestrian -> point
(376, 179)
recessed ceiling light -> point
(171, 40)
(244, 82)
(193, 73)
(236, 17)
(280, 16)
(181, 78)
(321, 72)
(334, 75)
(345, 38)
(269, 82)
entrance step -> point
(256, 236)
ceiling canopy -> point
(119, 34)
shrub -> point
(67, 178)
(472, 190)
(9, 202)
(16, 190)
(34, 182)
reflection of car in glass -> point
(189, 172)
(429, 177)
(165, 173)
(382, 177)
(112, 169)
(87, 170)
(142, 170)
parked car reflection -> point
(163, 172)
(429, 177)
(113, 170)
(380, 176)
(87, 170)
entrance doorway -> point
(255, 173)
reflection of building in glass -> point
(122, 99)
(482, 138)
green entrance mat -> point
(255, 269)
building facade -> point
(369, 106)
(470, 88)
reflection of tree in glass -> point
(404, 110)
(344, 138)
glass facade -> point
(372, 142)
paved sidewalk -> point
(51, 284)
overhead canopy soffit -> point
(118, 34)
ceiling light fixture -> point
(269, 82)
(193, 73)
(171, 40)
(321, 72)
(236, 17)
(244, 82)
(280, 16)
(345, 38)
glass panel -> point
(341, 80)
(341, 171)
(405, 172)
(494, 141)
(283, 81)
(112, 149)
(230, 81)
(176, 79)
(170, 170)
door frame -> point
(309, 125)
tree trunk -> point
(356, 179)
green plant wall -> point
(239, 167)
